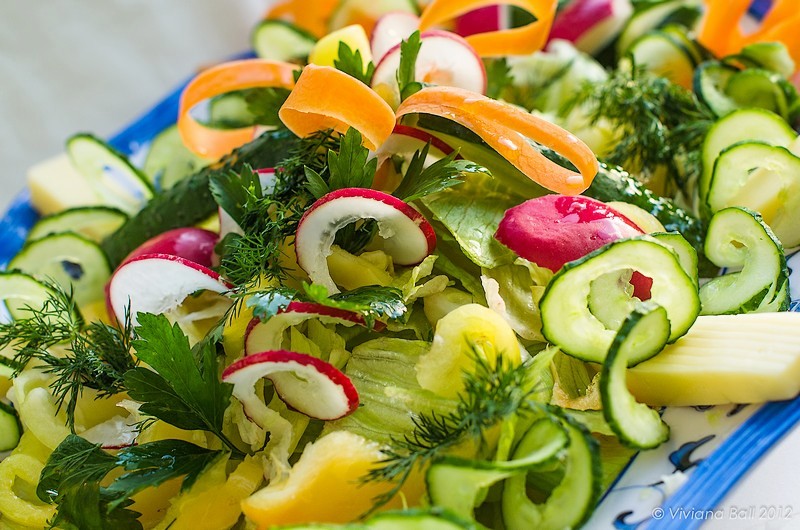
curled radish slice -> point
(305, 383)
(157, 283)
(193, 244)
(591, 24)
(391, 29)
(444, 59)
(408, 236)
(263, 336)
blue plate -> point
(710, 447)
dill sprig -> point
(660, 124)
(93, 356)
(491, 394)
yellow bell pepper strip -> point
(312, 16)
(325, 98)
(227, 77)
(517, 41)
(507, 130)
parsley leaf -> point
(181, 391)
(420, 181)
(350, 167)
(406, 72)
(372, 301)
(235, 193)
(316, 185)
(74, 472)
(264, 103)
(498, 76)
(353, 64)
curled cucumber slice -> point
(567, 317)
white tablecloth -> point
(68, 66)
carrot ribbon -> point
(507, 130)
(235, 75)
(517, 41)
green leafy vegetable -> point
(420, 181)
(352, 63)
(660, 123)
(406, 72)
(74, 472)
(264, 104)
(498, 76)
(182, 391)
(235, 192)
(371, 301)
(96, 356)
(350, 167)
(267, 304)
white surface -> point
(69, 66)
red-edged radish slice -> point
(268, 335)
(390, 30)
(481, 20)
(408, 236)
(157, 283)
(591, 24)
(555, 229)
(444, 59)
(193, 244)
(305, 383)
(226, 223)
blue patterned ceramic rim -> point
(712, 477)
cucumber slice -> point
(758, 88)
(417, 519)
(92, 222)
(10, 427)
(69, 260)
(169, 161)
(764, 178)
(109, 172)
(663, 55)
(710, 80)
(19, 291)
(643, 334)
(773, 56)
(571, 502)
(739, 238)
(682, 12)
(365, 12)
(687, 256)
(278, 40)
(567, 320)
(739, 126)
(458, 484)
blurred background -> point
(70, 66)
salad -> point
(413, 266)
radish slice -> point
(408, 236)
(157, 283)
(305, 383)
(193, 244)
(444, 59)
(481, 20)
(591, 24)
(268, 335)
(226, 223)
(555, 229)
(390, 30)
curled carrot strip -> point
(325, 98)
(312, 16)
(518, 41)
(235, 75)
(507, 130)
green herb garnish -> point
(352, 63)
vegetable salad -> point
(412, 266)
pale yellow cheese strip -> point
(55, 186)
(749, 358)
